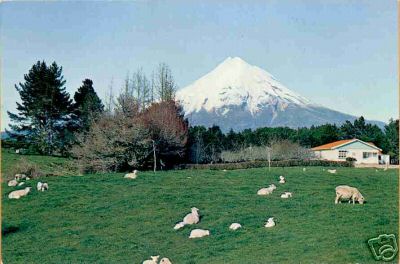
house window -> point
(375, 154)
(366, 155)
(342, 154)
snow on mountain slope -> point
(235, 82)
(236, 95)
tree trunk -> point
(154, 157)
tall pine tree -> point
(87, 105)
(45, 109)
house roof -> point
(339, 143)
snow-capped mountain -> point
(238, 95)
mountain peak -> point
(234, 82)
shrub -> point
(23, 166)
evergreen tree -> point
(392, 139)
(88, 105)
(45, 109)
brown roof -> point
(332, 144)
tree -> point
(88, 105)
(164, 83)
(392, 139)
(45, 110)
(168, 130)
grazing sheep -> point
(282, 179)
(266, 191)
(286, 195)
(344, 192)
(165, 261)
(189, 219)
(12, 183)
(224, 170)
(20, 176)
(19, 193)
(332, 171)
(197, 233)
(21, 183)
(153, 260)
(270, 222)
(304, 169)
(235, 226)
(17, 151)
(132, 175)
(42, 186)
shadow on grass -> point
(10, 229)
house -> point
(362, 152)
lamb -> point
(332, 171)
(189, 219)
(286, 195)
(12, 183)
(153, 260)
(282, 179)
(42, 186)
(270, 222)
(165, 261)
(132, 175)
(235, 226)
(19, 193)
(266, 191)
(197, 233)
(344, 192)
(20, 176)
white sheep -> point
(132, 175)
(270, 222)
(197, 233)
(20, 176)
(266, 191)
(189, 219)
(286, 195)
(42, 186)
(282, 179)
(21, 183)
(165, 261)
(153, 260)
(235, 226)
(332, 171)
(12, 183)
(19, 193)
(344, 192)
(304, 169)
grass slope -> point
(108, 219)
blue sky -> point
(341, 54)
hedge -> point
(258, 164)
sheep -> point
(20, 176)
(224, 170)
(235, 226)
(282, 179)
(344, 192)
(332, 171)
(42, 186)
(286, 195)
(12, 183)
(304, 169)
(189, 219)
(270, 222)
(21, 183)
(197, 233)
(165, 261)
(266, 191)
(153, 260)
(132, 175)
(19, 193)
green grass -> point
(108, 219)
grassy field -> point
(108, 219)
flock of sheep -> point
(343, 192)
(18, 181)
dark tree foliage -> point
(45, 111)
(392, 139)
(88, 105)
